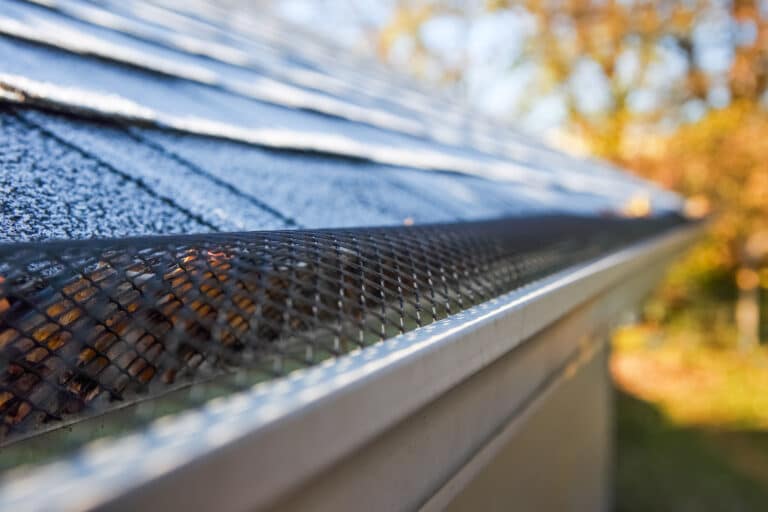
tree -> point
(673, 90)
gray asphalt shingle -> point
(51, 190)
(156, 132)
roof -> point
(135, 118)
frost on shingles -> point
(317, 191)
(55, 78)
(219, 203)
(43, 26)
(51, 191)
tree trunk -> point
(748, 308)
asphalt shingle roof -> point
(137, 118)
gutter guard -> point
(90, 327)
(280, 423)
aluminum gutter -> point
(250, 449)
(443, 497)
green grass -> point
(662, 466)
(692, 424)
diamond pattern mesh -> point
(86, 326)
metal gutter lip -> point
(246, 450)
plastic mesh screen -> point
(86, 326)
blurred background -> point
(675, 91)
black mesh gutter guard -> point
(255, 445)
(88, 327)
